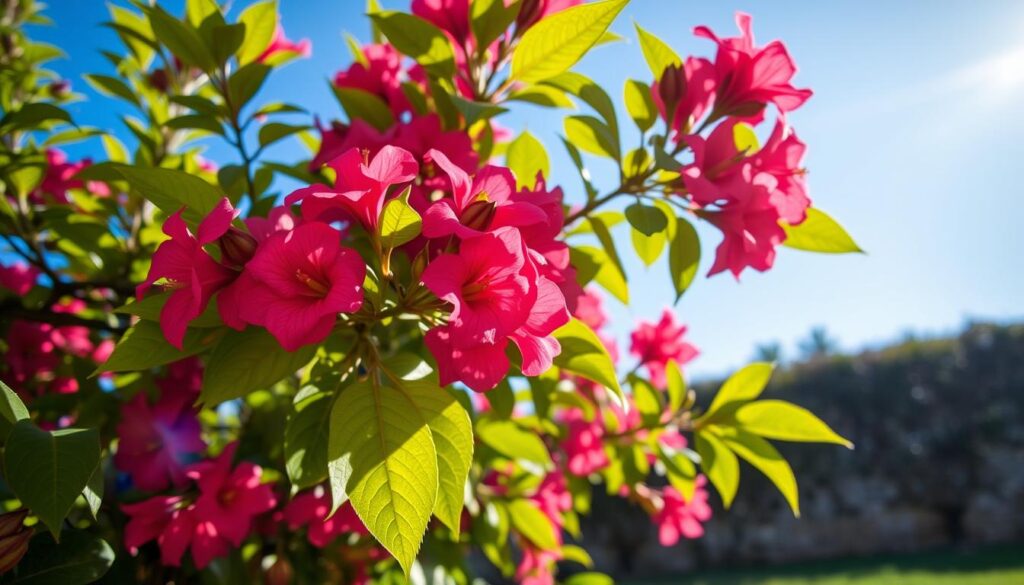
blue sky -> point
(914, 136)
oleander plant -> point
(386, 358)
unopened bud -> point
(672, 87)
(478, 215)
(14, 537)
(159, 80)
(529, 14)
(60, 88)
(237, 247)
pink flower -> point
(677, 517)
(782, 157)
(312, 507)
(475, 207)
(184, 267)
(583, 443)
(749, 77)
(750, 227)
(19, 278)
(690, 90)
(339, 138)
(360, 188)
(496, 295)
(590, 309)
(296, 285)
(451, 16)
(280, 219)
(31, 354)
(381, 75)
(217, 521)
(155, 441)
(657, 343)
(554, 500)
(59, 179)
(281, 49)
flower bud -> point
(478, 215)
(237, 247)
(14, 537)
(529, 14)
(672, 87)
(158, 79)
(60, 88)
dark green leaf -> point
(108, 85)
(246, 361)
(80, 558)
(683, 256)
(144, 346)
(365, 106)
(305, 440)
(419, 39)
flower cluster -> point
(744, 192)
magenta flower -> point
(360, 188)
(496, 294)
(19, 278)
(483, 204)
(782, 157)
(296, 285)
(381, 75)
(59, 179)
(181, 265)
(212, 525)
(155, 441)
(680, 518)
(281, 49)
(749, 77)
(583, 444)
(312, 508)
(750, 227)
(657, 343)
(590, 309)
(451, 16)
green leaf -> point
(777, 419)
(419, 39)
(113, 86)
(589, 578)
(542, 95)
(646, 219)
(181, 38)
(557, 42)
(93, 492)
(306, 435)
(640, 104)
(48, 470)
(720, 465)
(744, 385)
(526, 157)
(363, 105)
(196, 11)
(12, 410)
(399, 223)
(274, 131)
(149, 309)
(745, 139)
(590, 93)
(227, 38)
(245, 83)
(473, 111)
(594, 264)
(31, 116)
(819, 233)
(80, 558)
(246, 361)
(490, 18)
(683, 256)
(452, 431)
(657, 53)
(196, 121)
(171, 190)
(592, 135)
(682, 473)
(533, 524)
(381, 457)
(584, 354)
(766, 459)
(676, 385)
(144, 346)
(260, 20)
(648, 402)
(513, 441)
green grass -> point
(997, 566)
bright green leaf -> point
(260, 20)
(511, 440)
(113, 86)
(181, 38)
(744, 385)
(12, 409)
(419, 39)
(533, 524)
(676, 389)
(399, 223)
(526, 157)
(777, 419)
(657, 53)
(584, 354)
(490, 18)
(766, 459)
(819, 233)
(363, 105)
(640, 104)
(382, 458)
(592, 135)
(683, 256)
(557, 42)
(719, 464)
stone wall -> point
(939, 461)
